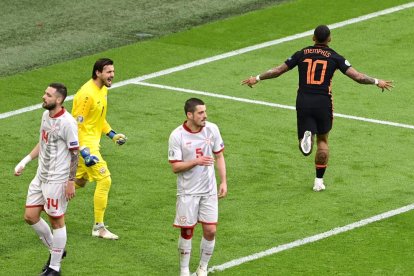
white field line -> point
(228, 54)
(311, 239)
(244, 100)
(242, 51)
(265, 44)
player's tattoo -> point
(73, 164)
(366, 80)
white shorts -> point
(50, 196)
(192, 209)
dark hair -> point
(190, 105)
(322, 33)
(99, 65)
(60, 88)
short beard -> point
(49, 106)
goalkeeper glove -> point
(90, 160)
(118, 138)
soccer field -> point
(271, 221)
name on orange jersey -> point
(317, 51)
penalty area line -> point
(324, 235)
(244, 100)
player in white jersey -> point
(193, 148)
(53, 186)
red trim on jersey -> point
(218, 151)
(75, 148)
(60, 113)
(189, 130)
(175, 161)
(33, 206)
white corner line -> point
(244, 100)
(227, 55)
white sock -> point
(184, 249)
(59, 243)
(43, 231)
(206, 250)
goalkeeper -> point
(89, 110)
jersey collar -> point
(189, 130)
(60, 113)
(320, 45)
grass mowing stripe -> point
(231, 54)
(311, 239)
(191, 91)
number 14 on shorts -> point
(52, 202)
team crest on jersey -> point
(102, 170)
(79, 119)
(207, 141)
(182, 220)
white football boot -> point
(318, 185)
(306, 143)
(100, 231)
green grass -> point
(270, 200)
(35, 34)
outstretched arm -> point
(270, 74)
(364, 79)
